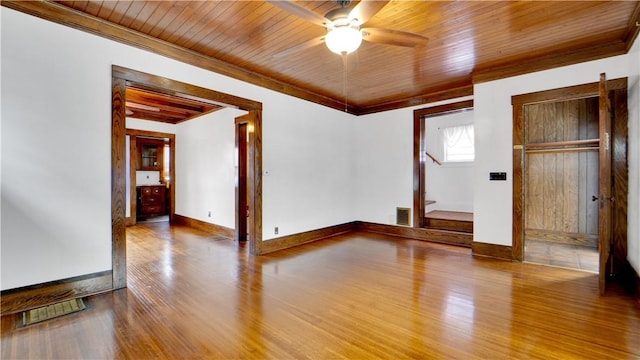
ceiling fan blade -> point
(393, 37)
(365, 10)
(305, 45)
(301, 12)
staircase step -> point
(449, 220)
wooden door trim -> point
(518, 102)
(133, 133)
(567, 93)
(419, 152)
(118, 183)
(120, 78)
(242, 122)
(133, 179)
(604, 185)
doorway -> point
(242, 201)
(121, 79)
(460, 221)
(561, 183)
(150, 176)
(588, 201)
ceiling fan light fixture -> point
(343, 39)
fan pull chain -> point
(344, 80)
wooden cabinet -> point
(150, 154)
(151, 200)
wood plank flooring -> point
(565, 255)
(354, 296)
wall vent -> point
(403, 216)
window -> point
(458, 143)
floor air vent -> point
(403, 216)
(50, 312)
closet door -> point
(605, 197)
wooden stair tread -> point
(450, 215)
(449, 220)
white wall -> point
(56, 218)
(309, 168)
(633, 216)
(206, 168)
(56, 117)
(449, 184)
(383, 165)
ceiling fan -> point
(344, 32)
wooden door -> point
(605, 196)
(242, 203)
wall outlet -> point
(275, 230)
(209, 214)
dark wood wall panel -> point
(559, 184)
(620, 175)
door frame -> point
(420, 152)
(122, 77)
(242, 205)
(248, 193)
(518, 102)
(133, 133)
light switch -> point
(501, 176)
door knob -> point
(594, 198)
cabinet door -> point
(150, 154)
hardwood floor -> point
(356, 296)
(565, 255)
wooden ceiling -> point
(152, 105)
(469, 42)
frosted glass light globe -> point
(343, 39)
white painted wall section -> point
(633, 158)
(206, 168)
(308, 166)
(384, 165)
(56, 218)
